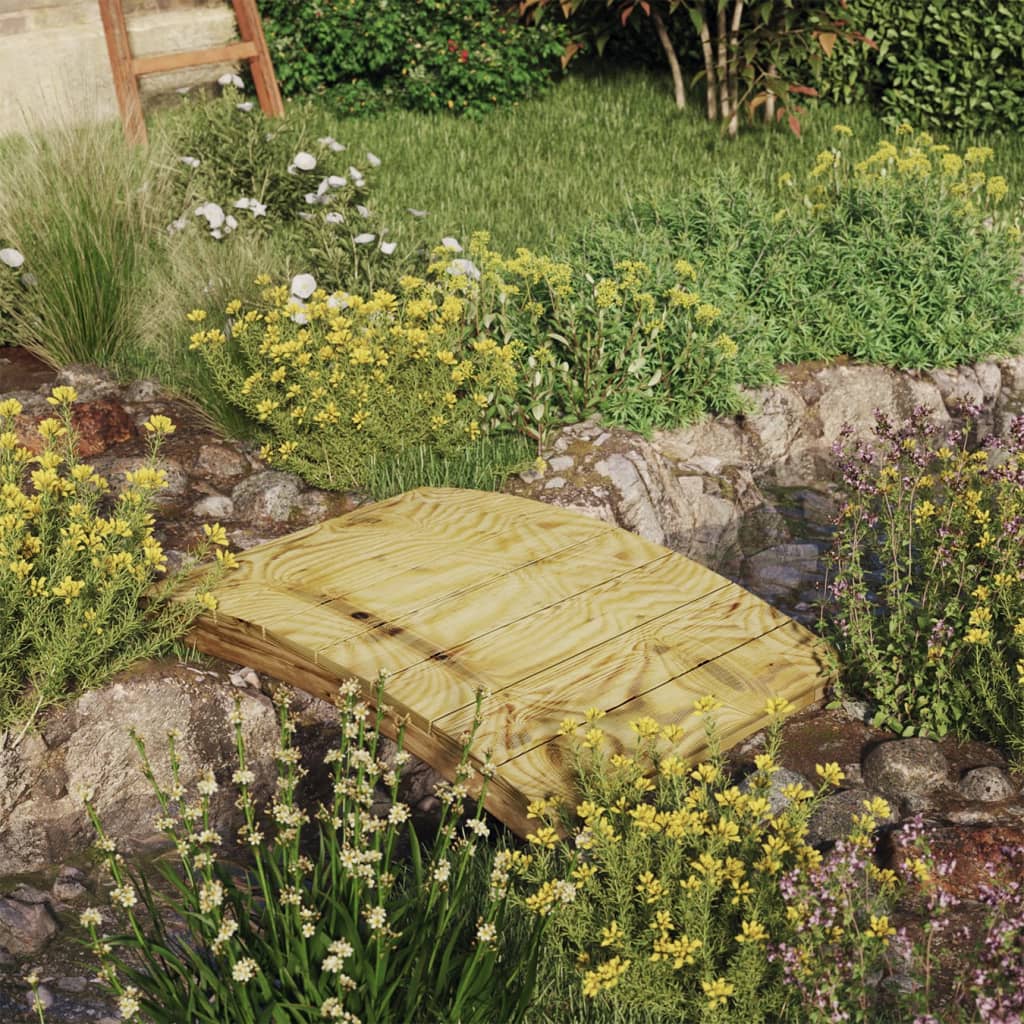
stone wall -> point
(53, 55)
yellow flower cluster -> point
(342, 378)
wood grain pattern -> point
(550, 612)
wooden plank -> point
(125, 86)
(615, 671)
(228, 53)
(777, 664)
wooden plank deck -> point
(550, 611)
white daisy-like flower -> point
(212, 213)
(332, 144)
(451, 244)
(373, 161)
(231, 79)
(334, 217)
(464, 268)
(362, 210)
(388, 247)
(365, 238)
(189, 161)
(243, 203)
(245, 107)
(303, 285)
(304, 161)
(11, 258)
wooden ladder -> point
(128, 69)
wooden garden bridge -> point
(550, 611)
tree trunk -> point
(769, 107)
(709, 69)
(723, 67)
(734, 85)
(673, 60)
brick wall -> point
(54, 64)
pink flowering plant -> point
(927, 593)
(359, 922)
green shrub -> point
(634, 343)
(467, 56)
(341, 382)
(956, 66)
(239, 172)
(677, 875)
(74, 568)
(904, 259)
(927, 596)
(374, 928)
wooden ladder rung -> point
(193, 58)
(128, 69)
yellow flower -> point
(831, 774)
(593, 713)
(611, 935)
(880, 928)
(197, 316)
(842, 129)
(925, 510)
(159, 425)
(62, 396)
(546, 837)
(752, 931)
(977, 636)
(226, 559)
(207, 600)
(718, 991)
(645, 728)
(706, 705)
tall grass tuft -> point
(87, 210)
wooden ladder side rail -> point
(128, 69)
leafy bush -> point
(341, 381)
(373, 928)
(634, 343)
(73, 569)
(904, 259)
(239, 171)
(927, 597)
(467, 56)
(676, 872)
(935, 64)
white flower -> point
(12, 258)
(189, 161)
(337, 181)
(312, 198)
(364, 239)
(388, 247)
(339, 300)
(177, 225)
(212, 213)
(334, 217)
(231, 79)
(303, 285)
(230, 222)
(243, 203)
(207, 785)
(245, 970)
(452, 244)
(373, 161)
(323, 187)
(245, 107)
(183, 90)
(304, 161)
(464, 268)
(128, 1002)
(332, 144)
(362, 210)
(375, 917)
(417, 213)
(90, 917)
(487, 933)
(299, 318)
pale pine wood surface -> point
(548, 611)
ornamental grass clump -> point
(676, 872)
(342, 385)
(926, 602)
(359, 922)
(642, 349)
(82, 587)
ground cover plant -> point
(75, 565)
(908, 257)
(927, 593)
